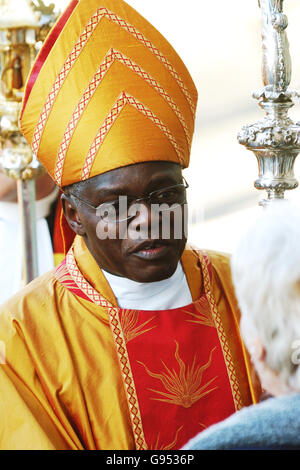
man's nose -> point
(143, 220)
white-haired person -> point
(266, 276)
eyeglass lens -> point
(119, 210)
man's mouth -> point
(151, 250)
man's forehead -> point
(134, 177)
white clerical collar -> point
(161, 295)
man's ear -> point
(71, 214)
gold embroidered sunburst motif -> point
(128, 320)
(158, 446)
(204, 316)
(184, 388)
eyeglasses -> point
(126, 208)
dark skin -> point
(129, 257)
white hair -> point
(266, 276)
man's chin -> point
(156, 264)
(152, 271)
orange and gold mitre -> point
(107, 90)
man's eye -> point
(109, 209)
(167, 194)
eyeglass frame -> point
(134, 201)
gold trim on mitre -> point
(107, 91)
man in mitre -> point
(133, 341)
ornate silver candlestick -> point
(275, 140)
(23, 27)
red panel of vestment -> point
(179, 372)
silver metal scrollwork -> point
(275, 140)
